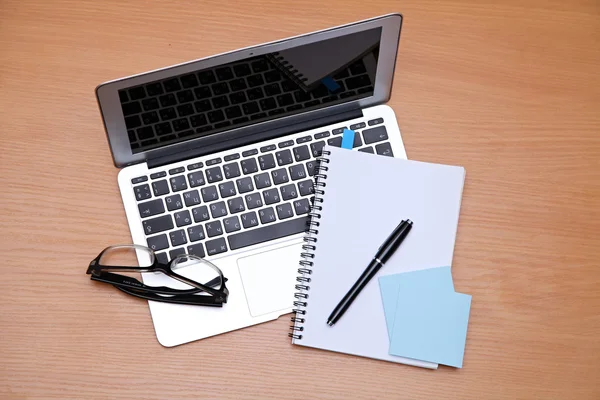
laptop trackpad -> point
(268, 279)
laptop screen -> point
(251, 90)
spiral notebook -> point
(307, 65)
(359, 200)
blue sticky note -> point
(347, 139)
(433, 279)
(330, 84)
(430, 326)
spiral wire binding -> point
(287, 68)
(308, 248)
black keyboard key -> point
(301, 153)
(147, 132)
(200, 214)
(139, 179)
(150, 104)
(237, 98)
(375, 121)
(123, 97)
(320, 91)
(220, 88)
(146, 143)
(301, 96)
(284, 157)
(288, 86)
(358, 68)
(358, 81)
(196, 249)
(178, 183)
(173, 254)
(216, 246)
(158, 242)
(209, 193)
(175, 171)
(150, 118)
(227, 189)
(255, 94)
(303, 139)
(357, 142)
(233, 112)
(220, 102)
(231, 170)
(196, 179)
(262, 180)
(218, 209)
(150, 208)
(195, 166)
(214, 228)
(215, 116)
(172, 85)
(384, 149)
(266, 161)
(195, 233)
(249, 152)
(242, 70)
(250, 108)
(156, 175)
(189, 81)
(158, 224)
(173, 202)
(287, 143)
(185, 96)
(160, 187)
(311, 167)
(312, 103)
(266, 233)
(231, 157)
(178, 237)
(316, 148)
(164, 128)
(213, 161)
(198, 120)
(204, 129)
(142, 192)
(280, 176)
(285, 100)
(232, 224)
(202, 93)
(271, 196)
(154, 89)
(253, 200)
(297, 172)
(255, 80)
(167, 114)
(249, 220)
(360, 125)
(284, 211)
(167, 100)
(131, 135)
(272, 76)
(267, 215)
(249, 166)
(162, 258)
(336, 141)
(268, 148)
(272, 89)
(289, 192)
(376, 134)
(131, 108)
(338, 131)
(244, 185)
(191, 198)
(302, 206)
(206, 77)
(185, 110)
(306, 187)
(224, 73)
(238, 84)
(321, 135)
(222, 124)
(367, 150)
(203, 105)
(214, 174)
(133, 122)
(236, 205)
(182, 218)
(260, 65)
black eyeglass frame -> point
(134, 287)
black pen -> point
(383, 254)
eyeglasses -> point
(197, 282)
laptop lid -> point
(235, 96)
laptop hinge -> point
(209, 148)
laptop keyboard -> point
(242, 199)
(225, 97)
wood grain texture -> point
(508, 89)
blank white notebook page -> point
(366, 196)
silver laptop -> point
(217, 159)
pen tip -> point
(330, 323)
(408, 221)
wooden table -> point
(509, 89)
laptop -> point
(218, 155)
